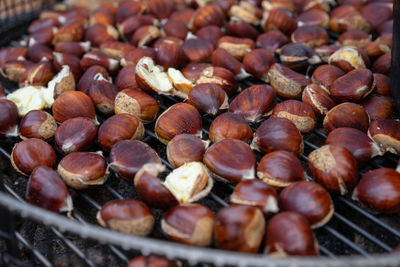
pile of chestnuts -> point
(93, 79)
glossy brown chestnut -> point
(382, 64)
(289, 233)
(236, 47)
(210, 14)
(88, 76)
(15, 69)
(37, 124)
(230, 160)
(197, 49)
(380, 190)
(239, 228)
(208, 98)
(271, 40)
(347, 115)
(73, 104)
(128, 9)
(220, 76)
(230, 125)
(346, 17)
(170, 55)
(380, 46)
(176, 28)
(115, 49)
(386, 135)
(47, 190)
(353, 86)
(100, 33)
(257, 63)
(309, 199)
(286, 82)
(178, 119)
(377, 13)
(256, 193)
(314, 17)
(119, 127)
(254, 103)
(280, 169)
(184, 148)
(349, 58)
(103, 93)
(76, 134)
(99, 58)
(31, 153)
(37, 74)
(279, 19)
(379, 107)
(61, 59)
(152, 261)
(81, 170)
(334, 167)
(38, 52)
(128, 156)
(192, 71)
(129, 216)
(132, 57)
(8, 118)
(190, 224)
(301, 114)
(74, 48)
(318, 99)
(326, 75)
(357, 142)
(298, 56)
(355, 38)
(382, 84)
(241, 29)
(130, 25)
(310, 35)
(137, 103)
(71, 32)
(278, 134)
(145, 35)
(221, 58)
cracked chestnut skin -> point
(301, 114)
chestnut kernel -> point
(81, 170)
(334, 167)
(230, 160)
(128, 156)
(239, 228)
(184, 148)
(47, 190)
(129, 216)
(31, 153)
(309, 199)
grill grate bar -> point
(34, 251)
(346, 241)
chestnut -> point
(386, 135)
(382, 64)
(243, 11)
(184, 148)
(38, 74)
(279, 19)
(325, 51)
(61, 59)
(312, 36)
(176, 28)
(64, 81)
(301, 114)
(100, 33)
(152, 261)
(289, 233)
(241, 29)
(178, 119)
(257, 63)
(192, 71)
(346, 115)
(298, 56)
(119, 127)
(190, 224)
(230, 160)
(47, 190)
(220, 76)
(356, 141)
(334, 167)
(349, 58)
(137, 103)
(76, 134)
(73, 104)
(69, 32)
(88, 77)
(99, 58)
(326, 75)
(15, 69)
(379, 107)
(74, 48)
(133, 56)
(382, 85)
(115, 49)
(286, 82)
(150, 77)
(8, 118)
(318, 99)
(170, 55)
(31, 153)
(239, 228)
(254, 103)
(128, 156)
(230, 125)
(221, 58)
(236, 47)
(197, 49)
(278, 134)
(37, 124)
(346, 17)
(81, 170)
(256, 193)
(210, 14)
(380, 190)
(314, 17)
(309, 199)
(129, 216)
(103, 93)
(271, 40)
(208, 98)
(353, 86)
(355, 38)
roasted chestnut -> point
(256, 193)
(239, 228)
(190, 224)
(309, 199)
(220, 76)
(81, 170)
(184, 148)
(31, 153)
(326, 75)
(103, 93)
(37, 124)
(318, 99)
(334, 167)
(129, 216)
(301, 114)
(8, 118)
(46, 190)
(290, 233)
(346, 115)
(230, 125)
(208, 98)
(380, 190)
(257, 63)
(386, 135)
